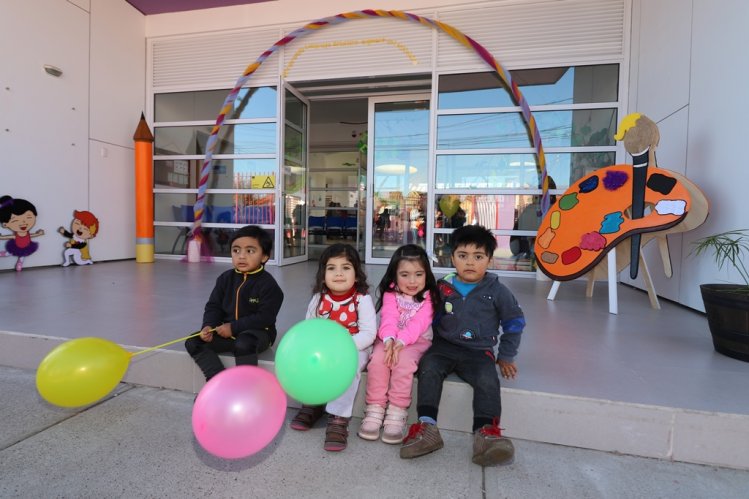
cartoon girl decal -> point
(83, 227)
(18, 216)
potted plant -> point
(727, 305)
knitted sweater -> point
(404, 319)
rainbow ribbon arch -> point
(467, 41)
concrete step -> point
(670, 433)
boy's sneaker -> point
(372, 422)
(422, 439)
(395, 423)
(336, 434)
(490, 448)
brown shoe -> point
(307, 417)
(422, 439)
(336, 434)
(490, 448)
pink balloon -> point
(238, 412)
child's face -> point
(470, 262)
(21, 224)
(340, 275)
(246, 254)
(410, 277)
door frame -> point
(281, 260)
(427, 96)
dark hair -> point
(349, 253)
(10, 206)
(409, 253)
(255, 232)
(477, 235)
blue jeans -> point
(474, 366)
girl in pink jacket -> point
(408, 297)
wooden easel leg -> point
(665, 256)
(649, 284)
(591, 283)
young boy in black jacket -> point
(475, 306)
(240, 316)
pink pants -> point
(393, 384)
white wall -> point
(58, 128)
(118, 68)
(688, 74)
(44, 130)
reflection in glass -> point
(503, 258)
(257, 102)
(294, 177)
(296, 110)
(581, 127)
(173, 207)
(493, 211)
(294, 147)
(545, 86)
(578, 128)
(401, 132)
(220, 208)
(509, 171)
(225, 174)
(173, 240)
(250, 138)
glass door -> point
(291, 242)
(398, 160)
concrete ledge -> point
(642, 430)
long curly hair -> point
(349, 253)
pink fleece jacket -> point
(399, 322)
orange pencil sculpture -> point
(144, 244)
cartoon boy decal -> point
(18, 216)
(83, 227)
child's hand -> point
(388, 352)
(397, 347)
(224, 330)
(508, 369)
(206, 334)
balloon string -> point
(169, 343)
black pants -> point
(474, 366)
(245, 348)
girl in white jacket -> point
(341, 294)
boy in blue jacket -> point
(240, 316)
(475, 305)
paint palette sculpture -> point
(593, 216)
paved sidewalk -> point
(140, 444)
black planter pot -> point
(727, 311)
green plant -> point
(728, 249)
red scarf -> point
(341, 308)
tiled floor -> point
(572, 346)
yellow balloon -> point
(81, 371)
(449, 205)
